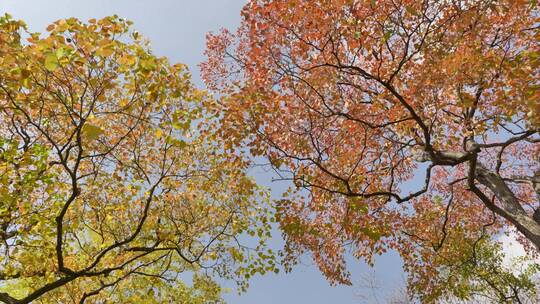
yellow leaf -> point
(123, 102)
(91, 132)
(105, 51)
(159, 133)
(127, 60)
(148, 64)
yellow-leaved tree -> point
(113, 186)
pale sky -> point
(177, 30)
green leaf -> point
(181, 144)
(387, 35)
(51, 62)
(60, 53)
(94, 236)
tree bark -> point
(509, 207)
(6, 298)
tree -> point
(113, 186)
(357, 102)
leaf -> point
(94, 236)
(180, 144)
(105, 51)
(127, 60)
(159, 133)
(236, 254)
(25, 74)
(91, 132)
(60, 53)
(411, 10)
(51, 62)
(387, 35)
(148, 64)
(372, 234)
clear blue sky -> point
(176, 29)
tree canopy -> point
(113, 184)
(405, 125)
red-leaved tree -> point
(405, 125)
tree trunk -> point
(509, 207)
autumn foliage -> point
(113, 186)
(404, 125)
